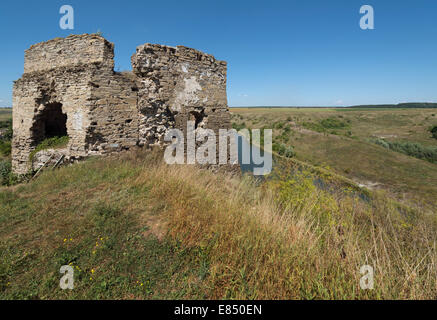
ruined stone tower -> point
(69, 87)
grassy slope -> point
(135, 228)
(402, 124)
(404, 176)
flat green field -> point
(344, 140)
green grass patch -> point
(103, 234)
(326, 125)
(53, 142)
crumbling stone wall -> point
(33, 94)
(70, 51)
(178, 84)
(72, 79)
(113, 112)
(56, 72)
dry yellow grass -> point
(289, 240)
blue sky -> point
(290, 53)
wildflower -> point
(92, 270)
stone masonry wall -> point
(31, 95)
(178, 84)
(72, 78)
(56, 71)
(113, 112)
(67, 52)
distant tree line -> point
(400, 105)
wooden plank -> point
(39, 170)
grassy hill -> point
(350, 143)
(133, 227)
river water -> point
(243, 144)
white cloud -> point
(339, 102)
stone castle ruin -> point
(69, 87)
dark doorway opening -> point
(55, 121)
(51, 122)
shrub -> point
(289, 152)
(412, 149)
(6, 123)
(382, 143)
(5, 137)
(283, 150)
(5, 172)
(287, 129)
(326, 124)
(7, 134)
(434, 132)
(331, 123)
(279, 148)
(313, 126)
(279, 125)
(5, 147)
(238, 126)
